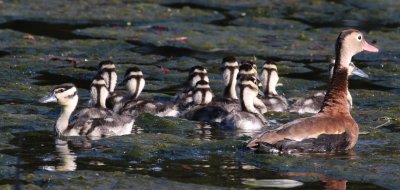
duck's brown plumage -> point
(333, 128)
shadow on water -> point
(54, 30)
(38, 150)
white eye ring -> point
(359, 37)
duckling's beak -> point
(49, 98)
(357, 71)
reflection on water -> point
(66, 157)
(205, 131)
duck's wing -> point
(306, 128)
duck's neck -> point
(335, 101)
(247, 100)
(230, 84)
(63, 120)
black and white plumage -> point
(185, 98)
(133, 106)
(269, 79)
(249, 117)
(92, 122)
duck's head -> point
(134, 81)
(197, 73)
(229, 68)
(98, 92)
(269, 78)
(64, 94)
(349, 43)
(202, 93)
(107, 71)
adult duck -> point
(333, 128)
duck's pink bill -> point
(368, 47)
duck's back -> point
(318, 133)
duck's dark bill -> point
(357, 71)
(49, 98)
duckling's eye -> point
(359, 37)
(61, 90)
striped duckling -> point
(93, 122)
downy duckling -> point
(312, 104)
(214, 111)
(107, 70)
(134, 82)
(331, 129)
(269, 79)
(196, 73)
(202, 108)
(247, 70)
(92, 122)
(249, 118)
(134, 106)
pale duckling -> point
(249, 118)
(331, 129)
(269, 79)
(184, 99)
(92, 122)
(312, 104)
(133, 105)
(247, 70)
(202, 108)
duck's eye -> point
(359, 37)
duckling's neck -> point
(269, 83)
(247, 100)
(335, 101)
(230, 84)
(113, 81)
(62, 122)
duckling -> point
(312, 104)
(331, 129)
(202, 108)
(134, 82)
(184, 98)
(269, 78)
(92, 122)
(249, 118)
(99, 92)
(107, 70)
(133, 106)
(247, 70)
(230, 70)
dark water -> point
(185, 153)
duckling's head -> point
(64, 94)
(349, 43)
(246, 70)
(269, 78)
(107, 71)
(230, 69)
(202, 93)
(250, 62)
(249, 84)
(98, 92)
(197, 73)
(107, 64)
(134, 81)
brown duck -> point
(333, 128)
